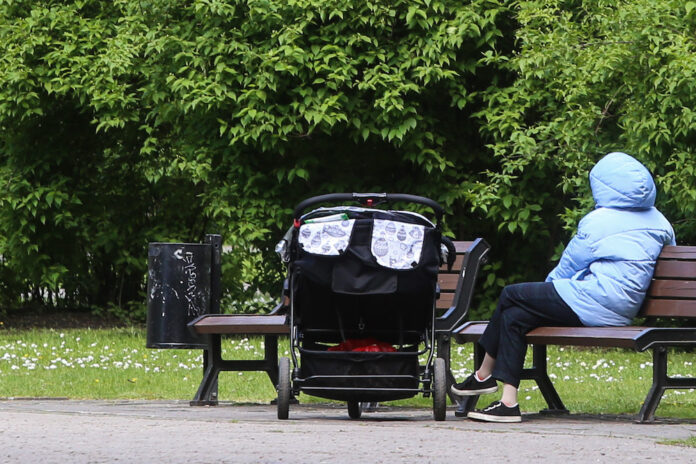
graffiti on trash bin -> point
(191, 273)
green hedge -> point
(128, 122)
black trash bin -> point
(178, 291)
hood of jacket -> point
(620, 181)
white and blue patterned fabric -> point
(397, 245)
(328, 238)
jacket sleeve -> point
(672, 236)
(576, 257)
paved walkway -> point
(65, 431)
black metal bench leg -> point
(204, 396)
(647, 412)
(207, 394)
(451, 381)
(270, 343)
(539, 373)
(468, 403)
(270, 359)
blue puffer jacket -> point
(606, 268)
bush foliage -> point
(128, 122)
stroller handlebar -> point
(369, 200)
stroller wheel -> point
(439, 390)
(283, 388)
(354, 409)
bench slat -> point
(241, 324)
(615, 337)
(457, 264)
(448, 281)
(445, 301)
(668, 308)
(674, 269)
(672, 289)
(463, 246)
(678, 252)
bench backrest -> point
(456, 292)
(672, 292)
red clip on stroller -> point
(362, 288)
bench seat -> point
(240, 324)
(638, 338)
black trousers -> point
(521, 308)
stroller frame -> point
(404, 376)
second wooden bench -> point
(671, 299)
(455, 288)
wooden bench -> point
(214, 326)
(671, 295)
(455, 287)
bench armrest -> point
(455, 315)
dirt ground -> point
(60, 431)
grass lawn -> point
(114, 364)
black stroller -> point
(362, 288)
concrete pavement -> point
(50, 431)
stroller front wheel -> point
(439, 390)
(354, 409)
(283, 388)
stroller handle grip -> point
(369, 199)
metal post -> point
(215, 241)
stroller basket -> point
(347, 376)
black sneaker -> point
(471, 386)
(497, 412)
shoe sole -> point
(481, 391)
(489, 418)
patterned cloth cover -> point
(395, 245)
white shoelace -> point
(497, 404)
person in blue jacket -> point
(600, 280)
